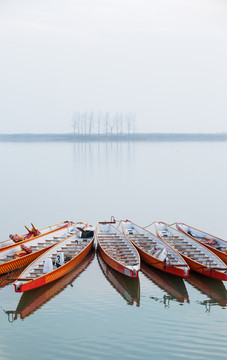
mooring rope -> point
(172, 224)
(150, 224)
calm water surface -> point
(93, 312)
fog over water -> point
(93, 312)
(164, 60)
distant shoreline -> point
(113, 137)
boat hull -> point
(220, 254)
(216, 272)
(207, 271)
(116, 265)
(217, 252)
(21, 262)
(35, 237)
(34, 299)
(128, 287)
(55, 274)
(161, 265)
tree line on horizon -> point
(103, 123)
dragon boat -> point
(213, 243)
(32, 233)
(58, 261)
(117, 251)
(19, 255)
(197, 256)
(154, 251)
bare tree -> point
(75, 122)
(84, 122)
(121, 122)
(90, 122)
(134, 122)
(129, 122)
(99, 119)
(107, 121)
(116, 122)
(79, 130)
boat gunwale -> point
(68, 224)
(219, 271)
(161, 262)
(113, 259)
(23, 261)
(66, 221)
(211, 248)
(54, 271)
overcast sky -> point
(166, 60)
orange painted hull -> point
(201, 269)
(22, 261)
(116, 265)
(57, 273)
(25, 260)
(33, 300)
(128, 287)
(9, 278)
(152, 261)
(35, 237)
(220, 254)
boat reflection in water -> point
(213, 288)
(32, 300)
(9, 278)
(173, 285)
(128, 287)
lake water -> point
(95, 313)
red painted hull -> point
(35, 237)
(55, 274)
(25, 260)
(116, 265)
(152, 261)
(22, 261)
(32, 300)
(201, 269)
(222, 255)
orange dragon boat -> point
(33, 300)
(19, 255)
(128, 287)
(213, 243)
(154, 251)
(32, 233)
(117, 251)
(57, 261)
(197, 256)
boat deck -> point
(192, 251)
(148, 244)
(41, 244)
(69, 249)
(118, 248)
(214, 244)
